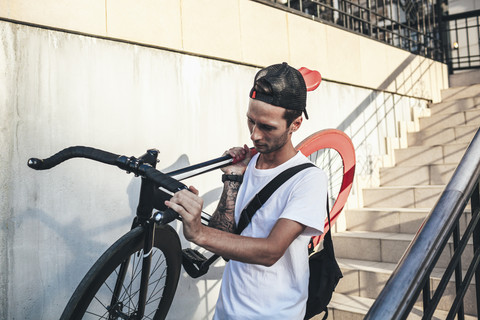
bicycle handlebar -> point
(129, 164)
(139, 167)
(73, 152)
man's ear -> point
(296, 124)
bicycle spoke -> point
(97, 315)
(94, 299)
(331, 163)
(154, 290)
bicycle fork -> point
(116, 309)
(143, 218)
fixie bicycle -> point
(136, 278)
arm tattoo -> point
(224, 216)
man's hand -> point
(242, 155)
(189, 206)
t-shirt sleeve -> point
(307, 202)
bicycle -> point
(136, 278)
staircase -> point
(378, 234)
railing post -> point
(369, 23)
(458, 270)
(426, 295)
(444, 35)
(475, 208)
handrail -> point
(412, 273)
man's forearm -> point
(263, 251)
(224, 216)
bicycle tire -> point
(89, 301)
(332, 139)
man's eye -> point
(267, 128)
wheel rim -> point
(126, 305)
(314, 147)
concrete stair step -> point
(366, 279)
(371, 246)
(345, 307)
(454, 106)
(423, 155)
(436, 136)
(463, 92)
(402, 196)
(397, 220)
(465, 78)
(385, 247)
(470, 117)
(429, 174)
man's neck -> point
(276, 158)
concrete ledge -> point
(245, 32)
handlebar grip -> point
(72, 152)
(162, 180)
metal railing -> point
(412, 275)
(462, 45)
(411, 25)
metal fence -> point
(462, 33)
(412, 25)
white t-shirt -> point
(251, 291)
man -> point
(267, 275)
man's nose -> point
(256, 134)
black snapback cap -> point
(281, 85)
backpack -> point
(324, 277)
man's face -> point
(268, 128)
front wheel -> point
(93, 296)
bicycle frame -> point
(152, 181)
(144, 220)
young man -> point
(267, 275)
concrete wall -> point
(184, 93)
(58, 89)
(243, 31)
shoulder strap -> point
(327, 239)
(262, 196)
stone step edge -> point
(456, 90)
(374, 235)
(436, 145)
(426, 211)
(394, 209)
(385, 267)
(449, 113)
(435, 130)
(433, 104)
(433, 186)
(360, 305)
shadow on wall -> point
(389, 109)
(46, 289)
(79, 249)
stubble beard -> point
(276, 145)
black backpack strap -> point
(262, 196)
(327, 239)
(327, 243)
